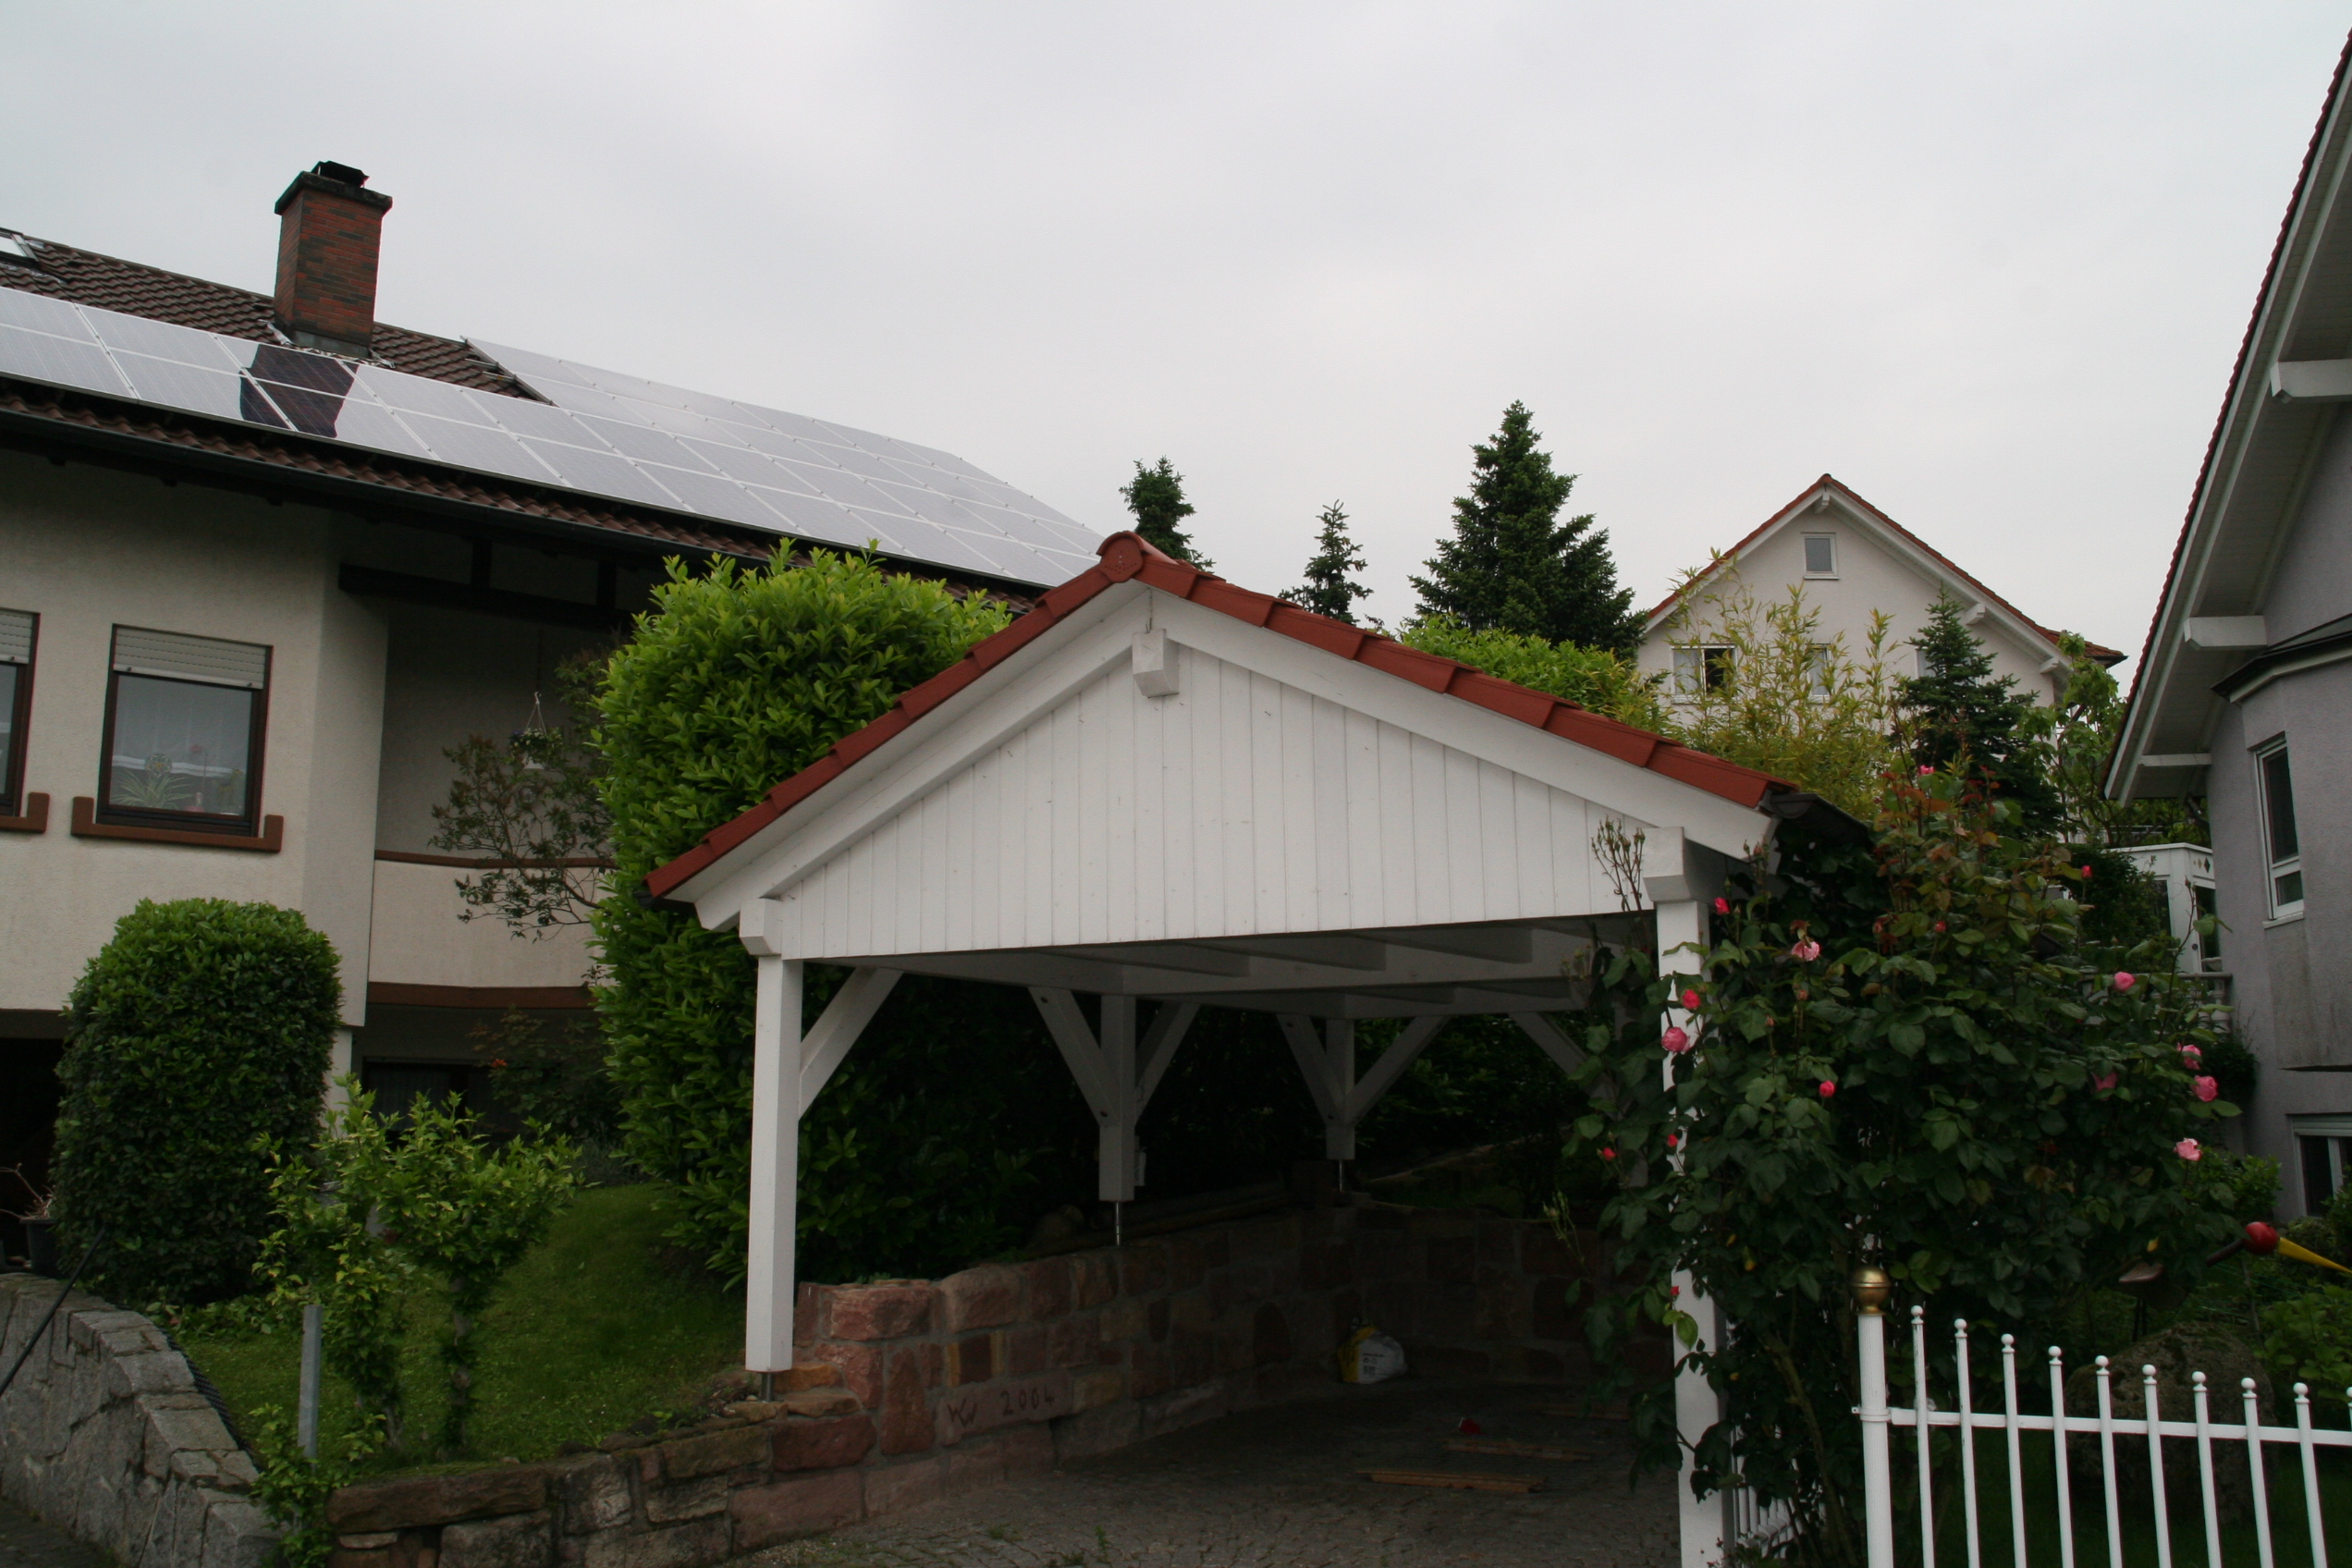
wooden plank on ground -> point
(1515, 1447)
(1457, 1480)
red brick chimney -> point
(326, 247)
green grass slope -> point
(593, 1331)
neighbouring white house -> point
(1853, 562)
(2244, 693)
(264, 559)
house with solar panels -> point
(267, 558)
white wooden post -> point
(775, 1167)
(1878, 1475)
(1706, 1521)
(1329, 1066)
(1116, 1084)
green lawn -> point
(591, 1332)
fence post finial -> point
(1871, 1288)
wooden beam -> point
(837, 1028)
(1498, 944)
(1338, 953)
(1402, 1053)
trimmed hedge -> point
(733, 681)
(202, 1027)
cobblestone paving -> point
(26, 1542)
(1278, 1489)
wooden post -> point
(1705, 1521)
(775, 1167)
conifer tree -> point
(1329, 589)
(1513, 566)
(1955, 711)
(1156, 498)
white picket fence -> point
(1923, 1416)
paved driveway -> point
(1278, 1488)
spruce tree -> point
(1513, 566)
(1956, 713)
(1329, 589)
(1156, 498)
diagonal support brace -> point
(1329, 1066)
(1118, 1074)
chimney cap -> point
(334, 179)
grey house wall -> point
(2293, 979)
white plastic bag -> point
(1370, 1356)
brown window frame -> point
(12, 765)
(244, 826)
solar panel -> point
(600, 431)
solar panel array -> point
(600, 433)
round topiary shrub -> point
(203, 1026)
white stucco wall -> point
(88, 549)
(1870, 577)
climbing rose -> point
(2086, 874)
(2187, 1149)
(1674, 1040)
(2126, 981)
(1690, 1002)
(1926, 768)
(2191, 1055)
(1827, 1088)
(1607, 1154)
(1806, 950)
(2206, 1088)
(1673, 1140)
(2106, 1083)
(1939, 927)
(1723, 906)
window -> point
(2322, 1170)
(1702, 669)
(17, 631)
(1821, 555)
(2281, 847)
(1816, 666)
(183, 731)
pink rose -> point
(2206, 1088)
(1926, 768)
(1673, 1141)
(1723, 906)
(1806, 950)
(1675, 1041)
(2191, 1055)
(1690, 1002)
(1827, 1088)
(1611, 1154)
(2104, 1083)
(2126, 981)
(2187, 1149)
(2086, 874)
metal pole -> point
(1870, 1288)
(306, 1405)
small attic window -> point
(1821, 555)
(17, 251)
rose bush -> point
(1902, 1057)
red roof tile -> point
(1126, 557)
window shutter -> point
(16, 637)
(140, 652)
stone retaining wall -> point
(104, 1435)
(912, 1391)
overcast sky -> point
(1987, 264)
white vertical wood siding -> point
(1240, 806)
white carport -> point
(1160, 789)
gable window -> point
(17, 631)
(2282, 847)
(1702, 669)
(1821, 555)
(184, 718)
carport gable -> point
(1148, 764)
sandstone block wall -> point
(103, 1436)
